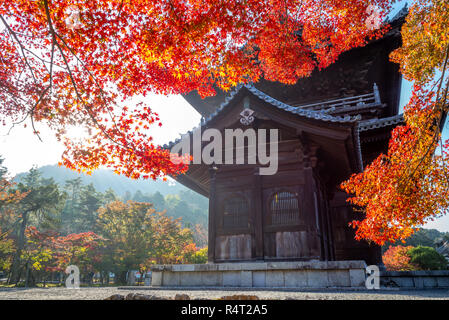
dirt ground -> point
(102, 293)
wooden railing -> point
(344, 103)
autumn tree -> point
(192, 254)
(409, 186)
(47, 252)
(73, 62)
(83, 250)
(9, 198)
(41, 205)
(8, 195)
(409, 258)
(80, 210)
(136, 236)
(39, 255)
(6, 245)
(396, 258)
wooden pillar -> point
(212, 215)
(330, 234)
(310, 203)
(258, 216)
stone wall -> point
(436, 279)
(311, 274)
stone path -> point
(102, 293)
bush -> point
(427, 258)
(396, 258)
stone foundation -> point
(434, 279)
(310, 274)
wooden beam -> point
(258, 216)
(212, 215)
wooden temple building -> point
(331, 125)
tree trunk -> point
(15, 267)
(27, 275)
(120, 277)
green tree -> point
(427, 258)
(8, 218)
(6, 252)
(71, 209)
(41, 206)
(158, 200)
(90, 201)
(136, 235)
(127, 196)
(139, 197)
(109, 196)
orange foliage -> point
(409, 186)
(73, 62)
(397, 259)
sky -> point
(22, 149)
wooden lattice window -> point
(284, 208)
(235, 212)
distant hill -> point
(170, 197)
(422, 237)
(104, 179)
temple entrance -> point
(284, 229)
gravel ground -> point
(102, 293)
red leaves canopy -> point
(396, 258)
(52, 252)
(72, 62)
(409, 186)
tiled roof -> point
(380, 123)
(309, 113)
(306, 113)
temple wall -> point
(270, 217)
(346, 247)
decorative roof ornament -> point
(247, 116)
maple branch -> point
(16, 123)
(72, 80)
(120, 9)
(53, 43)
(441, 118)
(22, 49)
(41, 96)
(40, 58)
(437, 129)
(34, 108)
(90, 74)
